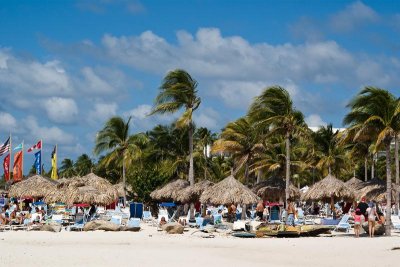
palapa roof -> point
(355, 183)
(375, 189)
(274, 188)
(329, 187)
(169, 191)
(35, 186)
(90, 189)
(120, 189)
(193, 193)
(229, 191)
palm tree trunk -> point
(259, 175)
(396, 158)
(191, 168)
(123, 177)
(373, 166)
(365, 168)
(246, 173)
(287, 167)
(389, 191)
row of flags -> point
(18, 164)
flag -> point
(18, 147)
(54, 174)
(4, 148)
(17, 170)
(6, 166)
(37, 146)
(38, 162)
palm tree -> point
(240, 139)
(178, 90)
(377, 111)
(274, 110)
(83, 165)
(204, 138)
(330, 154)
(123, 148)
(67, 169)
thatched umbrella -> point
(329, 188)
(355, 183)
(169, 191)
(193, 193)
(274, 188)
(120, 189)
(375, 189)
(90, 189)
(229, 191)
(35, 186)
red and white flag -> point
(37, 146)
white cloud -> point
(142, 121)
(52, 135)
(7, 122)
(101, 112)
(353, 16)
(61, 110)
(314, 120)
(207, 117)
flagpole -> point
(41, 158)
(11, 162)
(56, 155)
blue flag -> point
(38, 162)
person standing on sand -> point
(371, 211)
(290, 214)
(260, 210)
(363, 206)
(357, 222)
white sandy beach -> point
(151, 248)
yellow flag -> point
(54, 174)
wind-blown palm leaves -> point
(376, 111)
(67, 168)
(240, 139)
(83, 165)
(178, 91)
(274, 110)
(115, 138)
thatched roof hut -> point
(355, 183)
(169, 191)
(274, 188)
(90, 189)
(35, 186)
(329, 188)
(193, 193)
(229, 191)
(375, 189)
(120, 189)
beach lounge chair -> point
(57, 218)
(217, 219)
(396, 222)
(133, 223)
(117, 219)
(343, 224)
(136, 210)
(147, 216)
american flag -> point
(4, 148)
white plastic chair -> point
(117, 219)
(396, 222)
(343, 224)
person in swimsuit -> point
(260, 210)
(290, 214)
(357, 222)
(372, 214)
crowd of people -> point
(13, 215)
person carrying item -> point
(372, 214)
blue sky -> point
(67, 66)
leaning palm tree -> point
(67, 168)
(274, 109)
(114, 138)
(377, 111)
(178, 90)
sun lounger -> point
(396, 222)
(343, 224)
(117, 219)
(133, 223)
(57, 218)
(136, 210)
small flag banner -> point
(38, 162)
(18, 147)
(17, 170)
(37, 146)
(6, 166)
(4, 148)
(54, 174)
